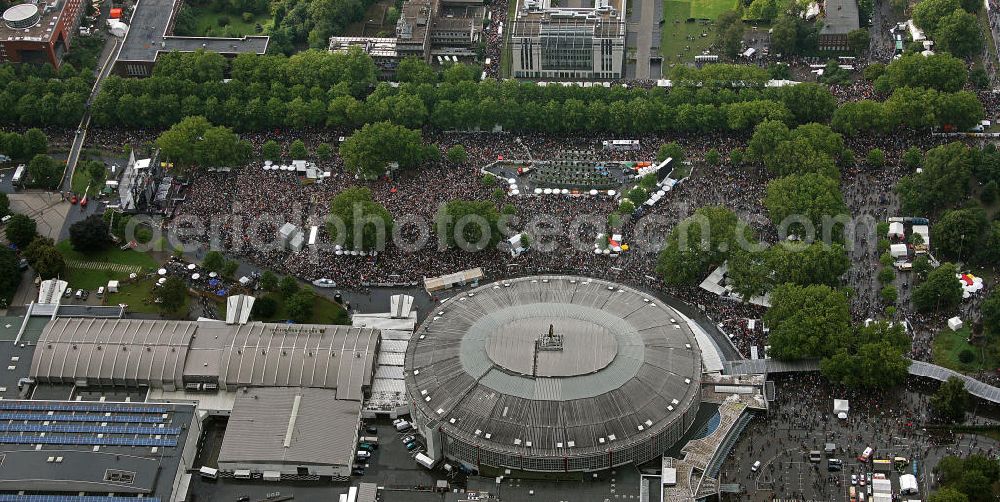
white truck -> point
(424, 460)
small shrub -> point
(966, 356)
(223, 20)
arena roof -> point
(164, 353)
(628, 367)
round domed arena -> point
(553, 374)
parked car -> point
(412, 445)
(371, 429)
(409, 439)
(357, 472)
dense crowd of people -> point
(247, 205)
(888, 421)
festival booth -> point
(898, 250)
(896, 230)
(515, 245)
(955, 323)
(840, 408)
(465, 277)
(908, 484)
(970, 284)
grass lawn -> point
(680, 40)
(949, 344)
(92, 279)
(82, 180)
(710, 9)
(139, 297)
(208, 23)
(324, 312)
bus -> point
(18, 174)
(621, 144)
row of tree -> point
(315, 89)
(23, 146)
(36, 95)
(912, 108)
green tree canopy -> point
(469, 225)
(941, 291)
(412, 69)
(271, 150)
(951, 400)
(757, 272)
(20, 230)
(959, 33)
(370, 149)
(45, 172)
(173, 294)
(943, 183)
(10, 275)
(858, 40)
(457, 154)
(807, 321)
(701, 242)
(357, 222)
(194, 141)
(794, 201)
(90, 234)
(299, 306)
(942, 71)
(963, 235)
(927, 14)
(298, 150)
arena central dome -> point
(553, 373)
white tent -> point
(515, 245)
(117, 28)
(897, 250)
(896, 229)
(841, 407)
(112, 286)
(955, 323)
(924, 232)
(907, 484)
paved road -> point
(104, 66)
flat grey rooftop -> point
(77, 471)
(841, 17)
(291, 426)
(628, 365)
(147, 36)
(17, 358)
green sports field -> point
(680, 40)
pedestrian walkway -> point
(917, 368)
(98, 265)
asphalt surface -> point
(802, 420)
